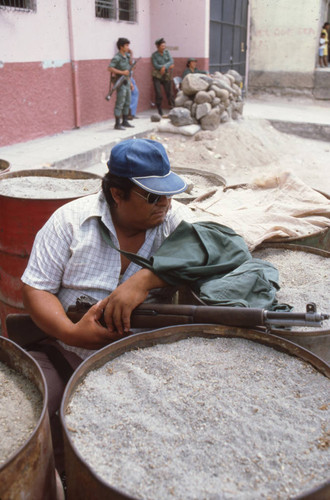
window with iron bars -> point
(19, 4)
(119, 10)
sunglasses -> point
(150, 198)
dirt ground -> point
(243, 150)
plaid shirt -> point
(70, 258)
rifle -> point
(120, 81)
(22, 330)
(162, 315)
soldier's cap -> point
(191, 59)
(159, 41)
(145, 162)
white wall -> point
(95, 38)
(35, 36)
(284, 35)
(44, 35)
(184, 24)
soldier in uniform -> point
(162, 63)
(121, 65)
(191, 67)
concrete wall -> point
(53, 62)
(284, 38)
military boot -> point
(125, 122)
(118, 126)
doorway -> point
(228, 35)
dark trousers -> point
(167, 84)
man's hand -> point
(162, 70)
(88, 332)
(126, 72)
(119, 305)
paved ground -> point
(88, 148)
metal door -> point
(228, 34)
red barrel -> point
(20, 220)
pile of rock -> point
(208, 100)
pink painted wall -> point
(37, 95)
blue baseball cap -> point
(145, 162)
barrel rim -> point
(44, 393)
(175, 333)
(55, 173)
(4, 166)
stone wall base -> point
(281, 83)
(315, 85)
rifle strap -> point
(137, 259)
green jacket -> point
(217, 265)
(158, 61)
(121, 62)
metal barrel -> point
(20, 220)
(214, 181)
(29, 472)
(4, 167)
(316, 341)
(82, 482)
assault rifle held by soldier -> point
(118, 83)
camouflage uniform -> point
(123, 98)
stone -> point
(211, 121)
(216, 101)
(230, 78)
(188, 104)
(202, 96)
(221, 84)
(202, 110)
(193, 83)
(212, 93)
(237, 89)
(238, 107)
(155, 117)
(224, 118)
(238, 78)
(223, 94)
(193, 109)
(180, 99)
(180, 116)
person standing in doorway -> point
(325, 32)
(321, 50)
(163, 65)
(120, 65)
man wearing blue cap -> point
(71, 257)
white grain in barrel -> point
(204, 418)
(304, 277)
(20, 410)
(40, 187)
